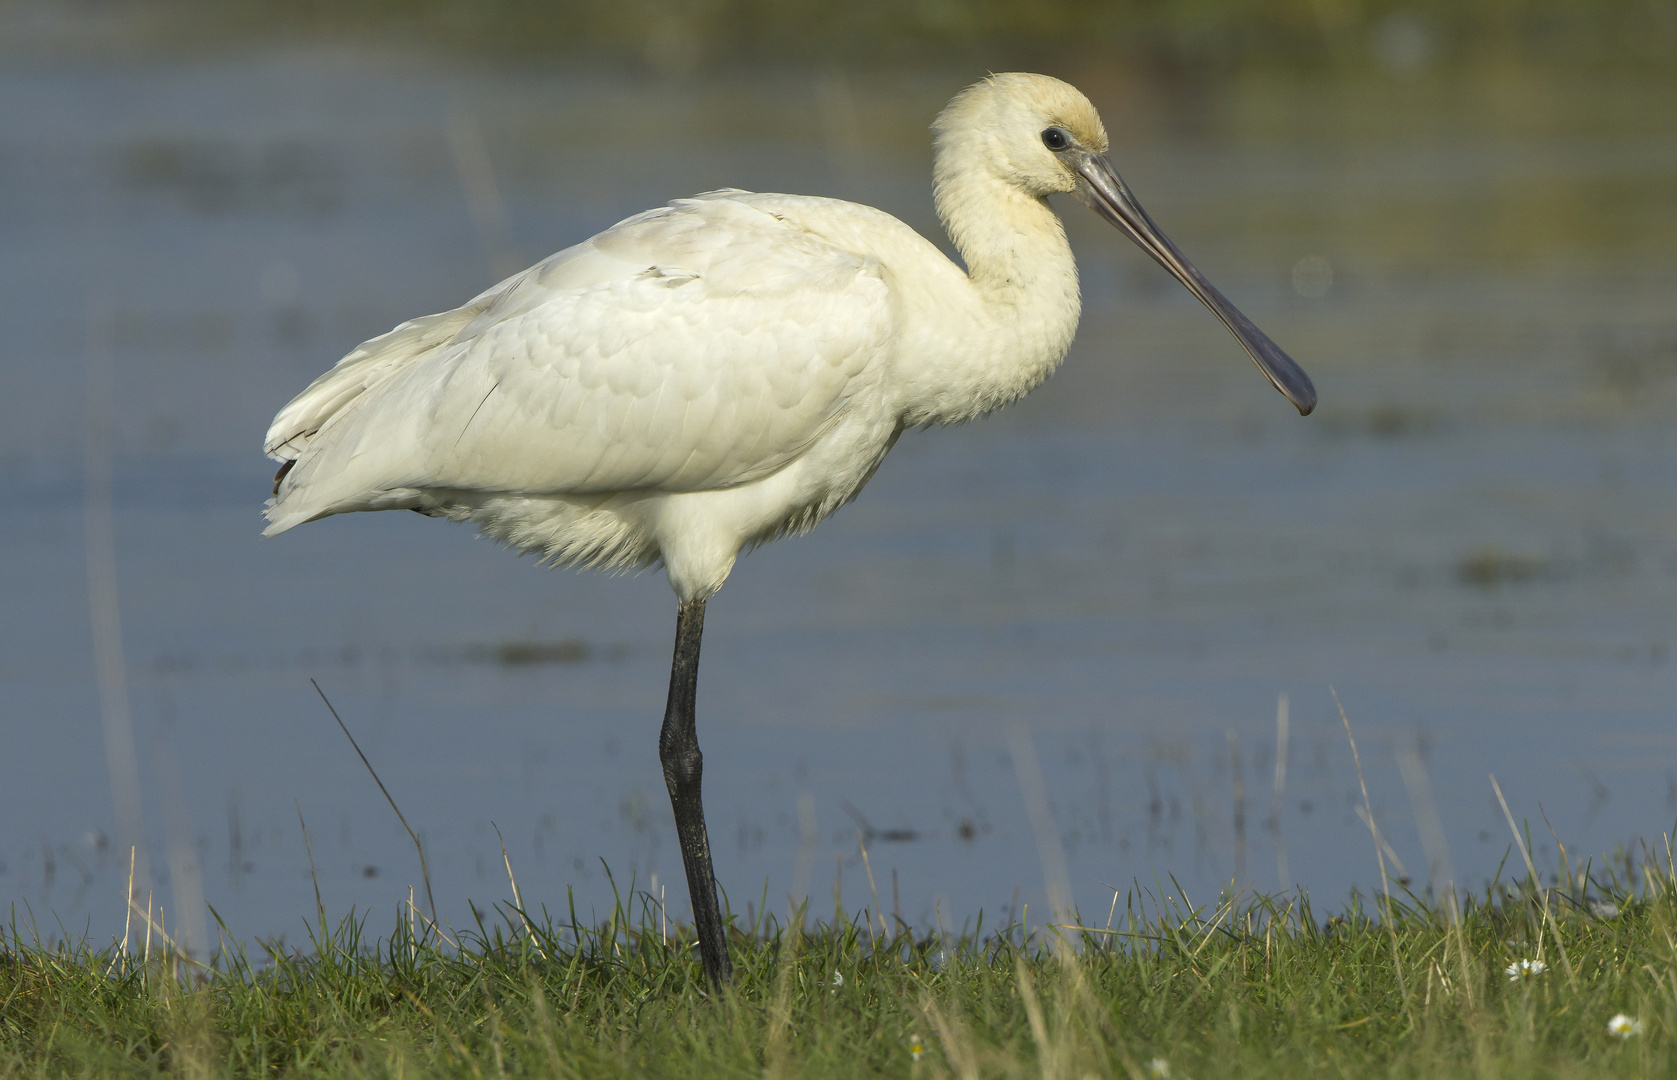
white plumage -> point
(714, 371)
(725, 370)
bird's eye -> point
(1056, 139)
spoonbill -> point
(727, 370)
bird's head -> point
(1042, 137)
(1018, 126)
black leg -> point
(678, 749)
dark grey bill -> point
(1104, 192)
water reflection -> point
(1471, 540)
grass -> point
(1253, 986)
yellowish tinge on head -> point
(1050, 100)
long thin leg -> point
(678, 749)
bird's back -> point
(698, 346)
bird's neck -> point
(1022, 289)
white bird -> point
(726, 370)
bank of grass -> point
(720, 36)
(1251, 986)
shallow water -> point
(1471, 541)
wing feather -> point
(696, 346)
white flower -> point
(1623, 1027)
(1522, 969)
(1159, 1067)
(915, 1047)
(838, 978)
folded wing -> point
(701, 345)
